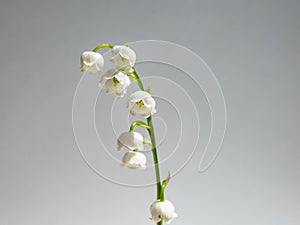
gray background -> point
(253, 48)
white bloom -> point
(162, 211)
(91, 61)
(123, 58)
(134, 160)
(115, 82)
(131, 140)
(141, 103)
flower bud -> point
(91, 61)
(123, 58)
(131, 141)
(162, 211)
(115, 82)
(141, 103)
(134, 160)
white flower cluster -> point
(134, 142)
(116, 81)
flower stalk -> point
(137, 79)
(138, 123)
(155, 156)
(102, 46)
(152, 138)
(153, 141)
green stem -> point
(138, 123)
(162, 192)
(148, 143)
(102, 46)
(153, 141)
(138, 80)
(131, 75)
(155, 156)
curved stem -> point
(138, 123)
(131, 75)
(138, 80)
(102, 46)
(148, 143)
(153, 141)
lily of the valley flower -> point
(131, 141)
(141, 103)
(115, 82)
(91, 61)
(162, 210)
(134, 160)
(123, 58)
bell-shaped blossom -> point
(123, 58)
(134, 160)
(91, 61)
(141, 103)
(115, 82)
(131, 141)
(162, 210)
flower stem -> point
(138, 80)
(138, 123)
(153, 141)
(155, 156)
(102, 46)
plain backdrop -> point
(253, 48)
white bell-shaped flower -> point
(162, 210)
(115, 82)
(131, 141)
(134, 160)
(141, 103)
(123, 58)
(91, 61)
